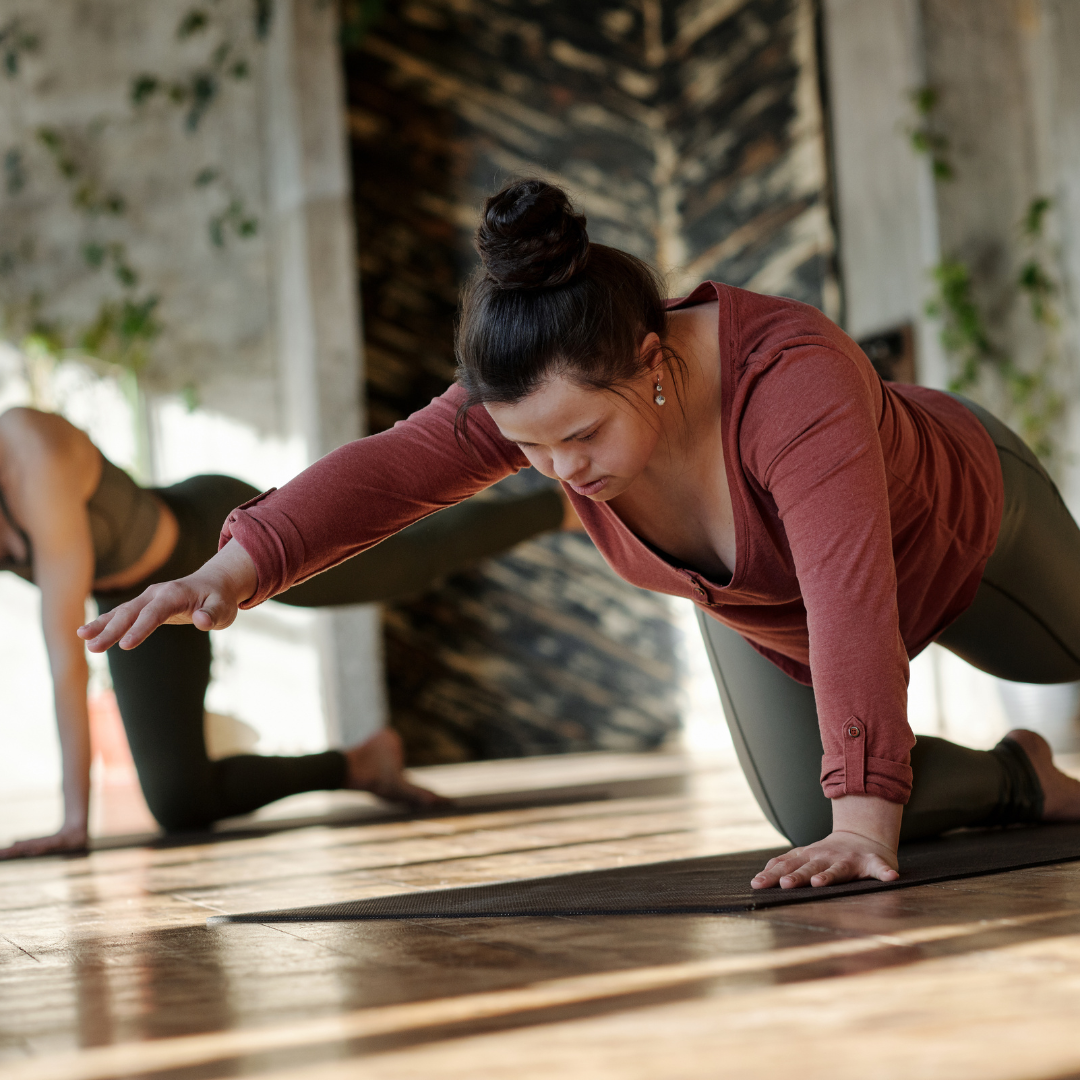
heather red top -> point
(864, 516)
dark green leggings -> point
(160, 686)
(1024, 625)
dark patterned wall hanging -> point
(691, 133)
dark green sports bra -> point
(123, 521)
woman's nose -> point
(569, 466)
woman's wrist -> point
(234, 573)
(868, 815)
(77, 805)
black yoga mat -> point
(715, 884)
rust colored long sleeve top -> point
(864, 512)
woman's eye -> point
(591, 435)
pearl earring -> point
(659, 398)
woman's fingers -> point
(95, 626)
(838, 858)
(776, 870)
(172, 602)
(878, 868)
(107, 629)
(800, 872)
(804, 875)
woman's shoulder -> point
(35, 442)
(759, 327)
(765, 326)
(24, 421)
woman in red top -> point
(738, 450)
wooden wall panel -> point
(691, 135)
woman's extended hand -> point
(209, 598)
(866, 831)
(841, 856)
(69, 838)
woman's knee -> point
(179, 805)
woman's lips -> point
(593, 488)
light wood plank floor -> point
(107, 968)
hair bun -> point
(531, 237)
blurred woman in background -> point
(75, 525)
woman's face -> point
(597, 441)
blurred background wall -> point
(691, 135)
(200, 198)
(956, 162)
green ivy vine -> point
(122, 331)
(121, 334)
(1036, 405)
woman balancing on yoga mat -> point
(75, 524)
(738, 450)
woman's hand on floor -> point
(209, 599)
(69, 838)
(866, 831)
(841, 856)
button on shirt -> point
(864, 515)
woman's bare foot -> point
(376, 766)
(1060, 792)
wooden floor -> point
(108, 968)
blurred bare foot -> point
(1060, 792)
(376, 766)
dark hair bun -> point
(531, 237)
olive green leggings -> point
(160, 686)
(1024, 625)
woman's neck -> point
(691, 418)
(681, 503)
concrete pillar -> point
(886, 201)
(316, 312)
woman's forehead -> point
(557, 410)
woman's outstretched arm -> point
(345, 503)
(367, 490)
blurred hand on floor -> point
(69, 838)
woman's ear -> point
(651, 353)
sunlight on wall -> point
(190, 441)
(31, 757)
(704, 728)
